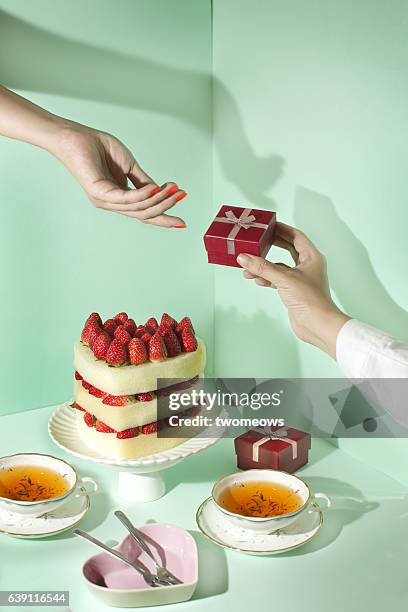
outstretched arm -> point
(361, 351)
(100, 162)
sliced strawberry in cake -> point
(130, 443)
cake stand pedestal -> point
(139, 480)
(141, 487)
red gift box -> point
(238, 230)
(285, 449)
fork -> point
(162, 572)
(151, 579)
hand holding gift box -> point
(284, 449)
(238, 230)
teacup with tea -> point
(264, 500)
(32, 484)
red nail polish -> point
(172, 190)
(181, 196)
(154, 190)
(180, 226)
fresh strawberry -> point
(130, 327)
(101, 345)
(95, 317)
(140, 330)
(185, 323)
(149, 428)
(162, 329)
(89, 419)
(115, 400)
(137, 351)
(77, 375)
(96, 392)
(151, 325)
(109, 326)
(157, 348)
(103, 427)
(144, 397)
(132, 432)
(188, 341)
(93, 334)
(78, 407)
(117, 353)
(168, 320)
(88, 327)
(146, 338)
(93, 321)
(172, 342)
(85, 334)
(122, 335)
(86, 385)
(121, 317)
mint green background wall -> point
(310, 120)
(140, 70)
(309, 106)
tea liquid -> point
(260, 499)
(31, 483)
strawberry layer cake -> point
(117, 367)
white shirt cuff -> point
(360, 349)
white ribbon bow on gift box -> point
(244, 221)
(270, 434)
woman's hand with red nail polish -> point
(104, 167)
(101, 164)
(154, 209)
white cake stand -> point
(139, 480)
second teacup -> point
(264, 500)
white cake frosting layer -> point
(133, 414)
(132, 448)
(130, 379)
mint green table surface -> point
(358, 561)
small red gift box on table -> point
(285, 449)
(238, 230)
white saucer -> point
(215, 525)
(61, 519)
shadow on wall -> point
(253, 175)
(37, 60)
(352, 276)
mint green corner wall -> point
(142, 71)
(310, 121)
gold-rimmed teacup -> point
(307, 500)
(75, 486)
